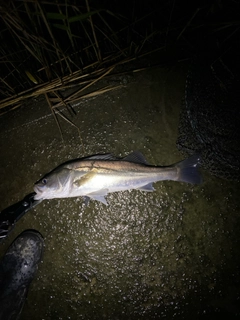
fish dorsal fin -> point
(136, 157)
(107, 156)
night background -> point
(91, 77)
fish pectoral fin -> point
(148, 187)
(84, 179)
(99, 195)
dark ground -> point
(169, 254)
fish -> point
(93, 177)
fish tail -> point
(188, 170)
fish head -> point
(52, 185)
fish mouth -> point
(38, 192)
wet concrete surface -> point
(170, 254)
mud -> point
(169, 254)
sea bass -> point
(96, 176)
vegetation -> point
(48, 46)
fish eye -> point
(44, 181)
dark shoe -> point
(17, 270)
